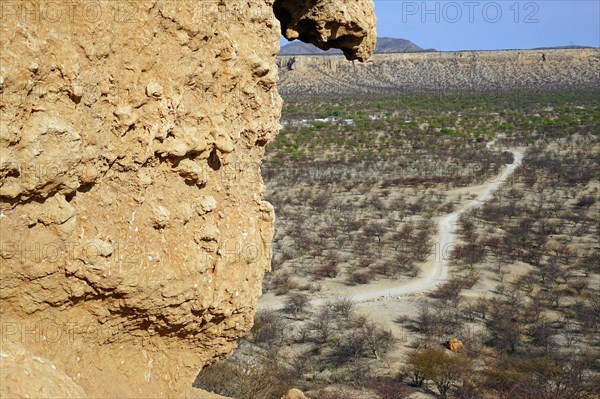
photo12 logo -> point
(470, 11)
(125, 11)
(53, 12)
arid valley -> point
(410, 218)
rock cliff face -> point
(467, 71)
(134, 237)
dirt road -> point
(435, 269)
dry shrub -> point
(335, 393)
(326, 270)
(384, 268)
(242, 378)
(296, 302)
(448, 291)
(361, 277)
(389, 388)
(283, 283)
(268, 328)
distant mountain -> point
(300, 48)
(392, 45)
(385, 45)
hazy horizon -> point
(285, 42)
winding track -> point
(439, 272)
(447, 227)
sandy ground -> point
(434, 270)
(383, 301)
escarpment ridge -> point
(464, 71)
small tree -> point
(322, 325)
(589, 265)
(378, 340)
(268, 328)
(375, 229)
(505, 326)
(369, 340)
(469, 253)
(296, 303)
(343, 306)
(468, 228)
(444, 369)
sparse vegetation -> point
(359, 185)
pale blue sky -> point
(490, 25)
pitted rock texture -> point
(134, 237)
(347, 25)
(27, 376)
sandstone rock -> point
(154, 90)
(192, 171)
(130, 192)
(24, 375)
(205, 204)
(45, 160)
(160, 216)
(176, 148)
(347, 25)
(455, 345)
(126, 116)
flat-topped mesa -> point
(134, 237)
(347, 25)
(441, 72)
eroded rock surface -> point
(25, 375)
(347, 25)
(134, 237)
